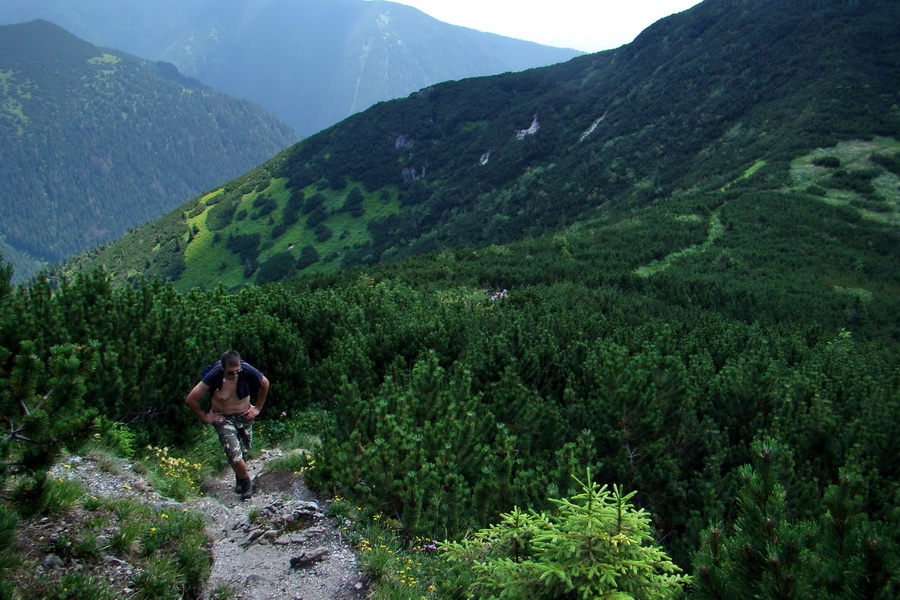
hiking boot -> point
(237, 480)
(246, 489)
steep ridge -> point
(311, 62)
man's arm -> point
(254, 410)
(193, 401)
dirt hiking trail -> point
(279, 544)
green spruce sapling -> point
(595, 545)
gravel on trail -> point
(277, 545)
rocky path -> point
(278, 544)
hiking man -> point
(232, 381)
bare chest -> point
(226, 401)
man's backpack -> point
(207, 369)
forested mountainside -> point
(311, 62)
(727, 96)
(95, 142)
(701, 310)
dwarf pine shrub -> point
(595, 545)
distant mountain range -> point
(95, 141)
(728, 97)
(310, 62)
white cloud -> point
(589, 25)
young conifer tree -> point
(594, 545)
(43, 410)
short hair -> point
(230, 358)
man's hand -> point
(251, 413)
(212, 417)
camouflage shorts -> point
(236, 435)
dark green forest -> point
(96, 142)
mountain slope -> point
(311, 62)
(709, 259)
(316, 63)
(96, 142)
(725, 95)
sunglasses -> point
(233, 372)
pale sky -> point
(587, 25)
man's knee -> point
(231, 444)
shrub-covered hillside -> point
(695, 103)
(715, 331)
(652, 349)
